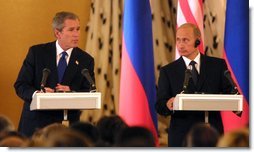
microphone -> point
(86, 74)
(45, 74)
(186, 80)
(228, 76)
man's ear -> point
(57, 33)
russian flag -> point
(236, 53)
(137, 84)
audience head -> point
(109, 127)
(6, 127)
(41, 136)
(51, 129)
(13, 139)
(5, 124)
(67, 138)
(86, 129)
(202, 135)
(236, 138)
(135, 137)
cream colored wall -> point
(24, 23)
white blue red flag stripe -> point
(236, 53)
(137, 84)
(191, 11)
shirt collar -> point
(59, 50)
(187, 61)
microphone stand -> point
(92, 88)
(43, 88)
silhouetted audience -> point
(68, 138)
(13, 139)
(236, 138)
(9, 137)
(113, 131)
(109, 127)
(202, 135)
(6, 125)
(135, 137)
(86, 129)
(41, 136)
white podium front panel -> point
(208, 102)
(54, 101)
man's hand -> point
(49, 90)
(46, 90)
(170, 103)
(238, 113)
(62, 88)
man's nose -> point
(180, 44)
(76, 33)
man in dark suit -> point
(65, 61)
(209, 78)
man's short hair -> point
(60, 17)
(196, 30)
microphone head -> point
(86, 74)
(84, 71)
(45, 74)
(186, 80)
(46, 70)
(226, 72)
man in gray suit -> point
(65, 61)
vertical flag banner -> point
(191, 11)
(236, 54)
(137, 84)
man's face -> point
(185, 41)
(69, 36)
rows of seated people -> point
(112, 131)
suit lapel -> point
(180, 74)
(182, 67)
(202, 75)
(50, 59)
(72, 68)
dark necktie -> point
(194, 72)
(62, 64)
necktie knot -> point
(193, 63)
(64, 55)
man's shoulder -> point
(172, 64)
(43, 47)
(82, 53)
(213, 59)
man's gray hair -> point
(60, 17)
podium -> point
(66, 101)
(208, 102)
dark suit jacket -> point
(29, 80)
(211, 81)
